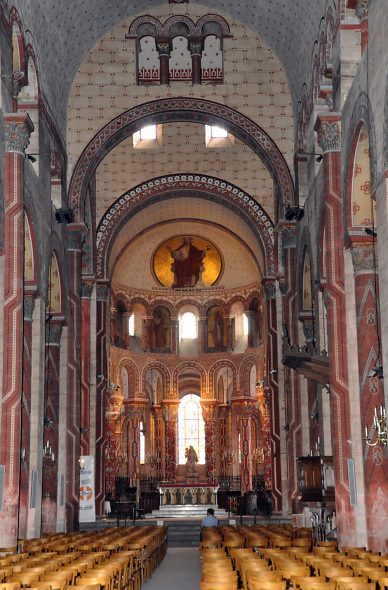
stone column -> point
(229, 333)
(75, 233)
(222, 438)
(244, 412)
(17, 130)
(112, 440)
(195, 46)
(328, 127)
(86, 293)
(135, 416)
(148, 325)
(51, 426)
(159, 444)
(29, 305)
(170, 412)
(175, 336)
(163, 47)
(371, 388)
(101, 389)
(361, 8)
(269, 286)
(209, 413)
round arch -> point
(189, 185)
(180, 110)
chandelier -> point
(378, 428)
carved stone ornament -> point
(361, 9)
(329, 136)
(246, 410)
(209, 412)
(53, 333)
(363, 258)
(86, 290)
(102, 292)
(308, 330)
(163, 49)
(135, 413)
(269, 290)
(29, 306)
(17, 134)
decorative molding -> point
(191, 184)
(329, 132)
(174, 110)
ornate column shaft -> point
(17, 130)
(136, 415)
(175, 336)
(195, 46)
(328, 127)
(75, 233)
(371, 388)
(244, 412)
(209, 413)
(269, 287)
(171, 419)
(86, 293)
(101, 388)
(112, 440)
(29, 305)
(222, 439)
(159, 446)
(163, 47)
(51, 426)
(201, 334)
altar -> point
(180, 494)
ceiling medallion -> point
(184, 261)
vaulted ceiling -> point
(70, 29)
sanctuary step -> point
(183, 534)
(195, 511)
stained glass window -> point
(188, 325)
(191, 428)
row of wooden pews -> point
(114, 559)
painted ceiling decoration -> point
(187, 261)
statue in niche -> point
(188, 264)
(191, 463)
(215, 329)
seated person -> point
(210, 520)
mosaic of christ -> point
(187, 262)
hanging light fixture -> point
(377, 434)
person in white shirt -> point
(210, 520)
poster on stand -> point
(87, 506)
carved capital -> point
(135, 412)
(328, 128)
(75, 236)
(308, 330)
(196, 48)
(163, 48)
(363, 258)
(102, 292)
(170, 412)
(361, 9)
(245, 410)
(53, 334)
(86, 290)
(209, 412)
(269, 288)
(28, 307)
(17, 131)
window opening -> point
(191, 428)
(245, 325)
(131, 324)
(188, 325)
(142, 444)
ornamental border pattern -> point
(139, 195)
(180, 109)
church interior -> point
(194, 299)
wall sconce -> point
(64, 215)
(294, 213)
(48, 423)
(377, 372)
(379, 426)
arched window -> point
(142, 444)
(188, 325)
(191, 428)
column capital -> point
(163, 48)
(364, 259)
(195, 46)
(86, 290)
(53, 333)
(102, 291)
(209, 411)
(29, 306)
(75, 234)
(17, 130)
(269, 287)
(328, 128)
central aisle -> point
(180, 570)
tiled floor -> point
(180, 570)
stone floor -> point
(180, 570)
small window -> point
(245, 325)
(188, 325)
(147, 137)
(216, 136)
(142, 444)
(131, 324)
(148, 132)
